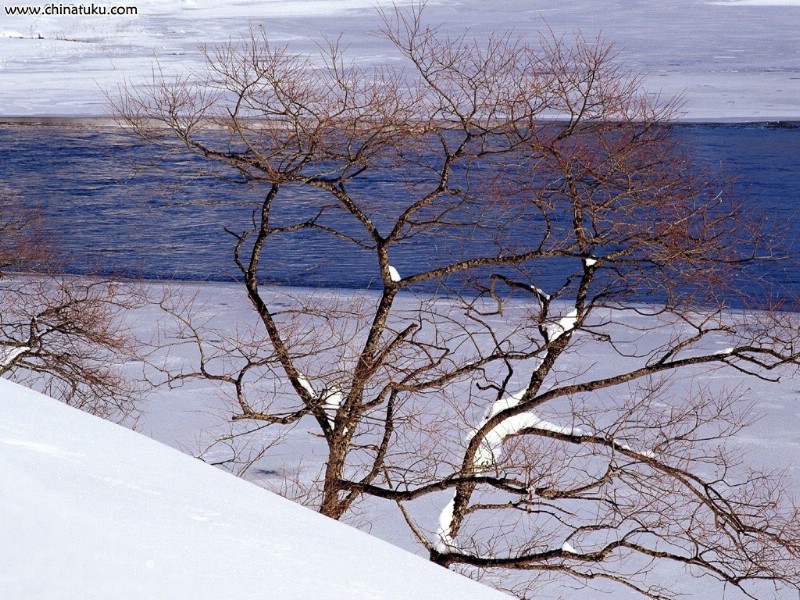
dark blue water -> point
(112, 204)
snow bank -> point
(729, 63)
(92, 510)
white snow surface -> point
(91, 510)
(731, 60)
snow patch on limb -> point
(565, 430)
(566, 547)
(504, 403)
(9, 356)
(333, 400)
(540, 294)
(564, 324)
(624, 446)
(490, 449)
(393, 274)
(306, 385)
(444, 541)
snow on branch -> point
(552, 331)
(444, 541)
(490, 449)
(332, 401)
(10, 356)
(306, 385)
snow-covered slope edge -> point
(91, 510)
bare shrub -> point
(66, 336)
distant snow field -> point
(730, 59)
(91, 510)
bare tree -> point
(541, 410)
(63, 335)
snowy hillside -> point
(732, 59)
(91, 510)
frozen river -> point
(112, 205)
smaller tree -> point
(65, 336)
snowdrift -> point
(93, 510)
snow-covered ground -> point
(732, 59)
(191, 416)
(91, 510)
